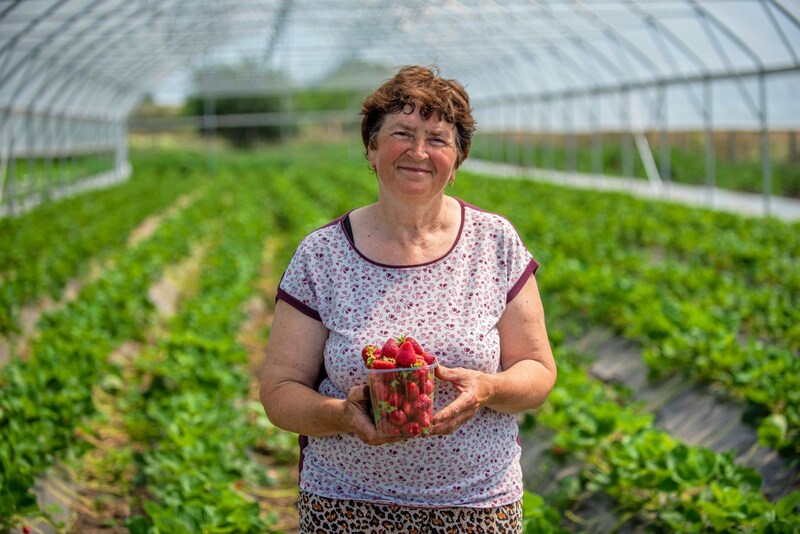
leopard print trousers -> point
(320, 515)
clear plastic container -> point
(402, 400)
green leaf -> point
(788, 505)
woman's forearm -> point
(524, 386)
(297, 408)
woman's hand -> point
(359, 417)
(474, 390)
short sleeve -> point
(519, 262)
(298, 285)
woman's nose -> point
(417, 149)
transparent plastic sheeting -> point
(71, 71)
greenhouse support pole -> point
(550, 160)
(529, 156)
(572, 144)
(495, 142)
(9, 192)
(710, 156)
(597, 138)
(766, 162)
(209, 130)
(121, 152)
(29, 185)
(664, 157)
(519, 153)
(48, 137)
(626, 134)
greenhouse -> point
(163, 163)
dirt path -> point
(696, 414)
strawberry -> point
(421, 375)
(369, 351)
(413, 428)
(381, 391)
(415, 344)
(424, 419)
(406, 357)
(394, 399)
(389, 349)
(403, 397)
(426, 386)
(423, 402)
(398, 417)
(412, 391)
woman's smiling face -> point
(414, 157)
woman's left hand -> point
(473, 390)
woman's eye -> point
(402, 135)
(438, 141)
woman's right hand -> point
(359, 418)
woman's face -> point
(414, 157)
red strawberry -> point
(394, 399)
(383, 364)
(415, 344)
(380, 390)
(421, 375)
(423, 403)
(412, 391)
(430, 359)
(412, 428)
(369, 351)
(398, 417)
(389, 349)
(406, 357)
(426, 386)
(424, 419)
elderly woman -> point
(417, 262)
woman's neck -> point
(406, 235)
(410, 223)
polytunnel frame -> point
(110, 135)
(64, 121)
(118, 94)
(659, 173)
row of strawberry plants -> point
(708, 316)
(656, 481)
(184, 402)
(45, 397)
(42, 250)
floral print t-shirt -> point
(451, 306)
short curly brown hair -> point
(419, 86)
